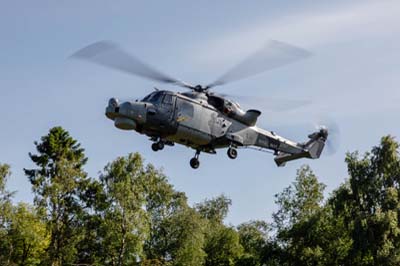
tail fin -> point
(312, 149)
(316, 143)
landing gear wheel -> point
(154, 146)
(194, 163)
(232, 153)
(160, 145)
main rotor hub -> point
(199, 88)
(324, 133)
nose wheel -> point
(157, 146)
(232, 153)
(194, 162)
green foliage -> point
(58, 183)
(184, 235)
(299, 201)
(5, 173)
(23, 234)
(132, 215)
(28, 237)
(125, 220)
(370, 205)
(176, 230)
(358, 225)
(5, 197)
(139, 218)
(300, 218)
(214, 209)
(221, 242)
(222, 246)
(5, 215)
(253, 237)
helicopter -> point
(200, 118)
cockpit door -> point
(162, 116)
(167, 106)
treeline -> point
(131, 215)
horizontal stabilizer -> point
(282, 158)
(312, 149)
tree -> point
(5, 214)
(5, 173)
(91, 249)
(358, 225)
(138, 217)
(214, 209)
(23, 235)
(300, 219)
(58, 183)
(300, 200)
(125, 220)
(5, 197)
(28, 237)
(253, 237)
(176, 230)
(184, 238)
(370, 205)
(221, 242)
(222, 246)
(132, 215)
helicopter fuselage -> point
(203, 122)
(199, 118)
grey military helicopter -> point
(199, 118)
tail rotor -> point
(331, 132)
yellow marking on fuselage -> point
(182, 118)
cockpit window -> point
(217, 102)
(167, 99)
(154, 97)
(222, 104)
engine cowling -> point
(248, 118)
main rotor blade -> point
(108, 54)
(273, 55)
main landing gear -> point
(232, 153)
(157, 146)
(194, 162)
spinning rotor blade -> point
(333, 141)
(110, 55)
(273, 55)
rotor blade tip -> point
(93, 50)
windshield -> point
(153, 97)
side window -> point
(156, 98)
(167, 99)
(186, 109)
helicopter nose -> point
(126, 115)
(133, 110)
(125, 119)
(113, 102)
(112, 109)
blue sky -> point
(352, 77)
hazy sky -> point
(352, 77)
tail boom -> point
(287, 150)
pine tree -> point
(58, 184)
